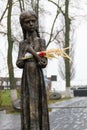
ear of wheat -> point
(50, 54)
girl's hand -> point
(42, 62)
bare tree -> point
(67, 42)
(9, 53)
(22, 5)
(67, 37)
(52, 28)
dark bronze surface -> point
(34, 108)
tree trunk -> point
(9, 53)
(67, 34)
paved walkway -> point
(66, 115)
(69, 115)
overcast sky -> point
(80, 46)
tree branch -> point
(52, 28)
(4, 12)
(57, 6)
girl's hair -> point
(23, 16)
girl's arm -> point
(20, 63)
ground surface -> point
(66, 115)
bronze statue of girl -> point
(34, 109)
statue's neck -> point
(32, 34)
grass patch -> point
(59, 100)
(5, 98)
(5, 101)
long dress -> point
(34, 109)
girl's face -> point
(30, 23)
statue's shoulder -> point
(41, 40)
(21, 43)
